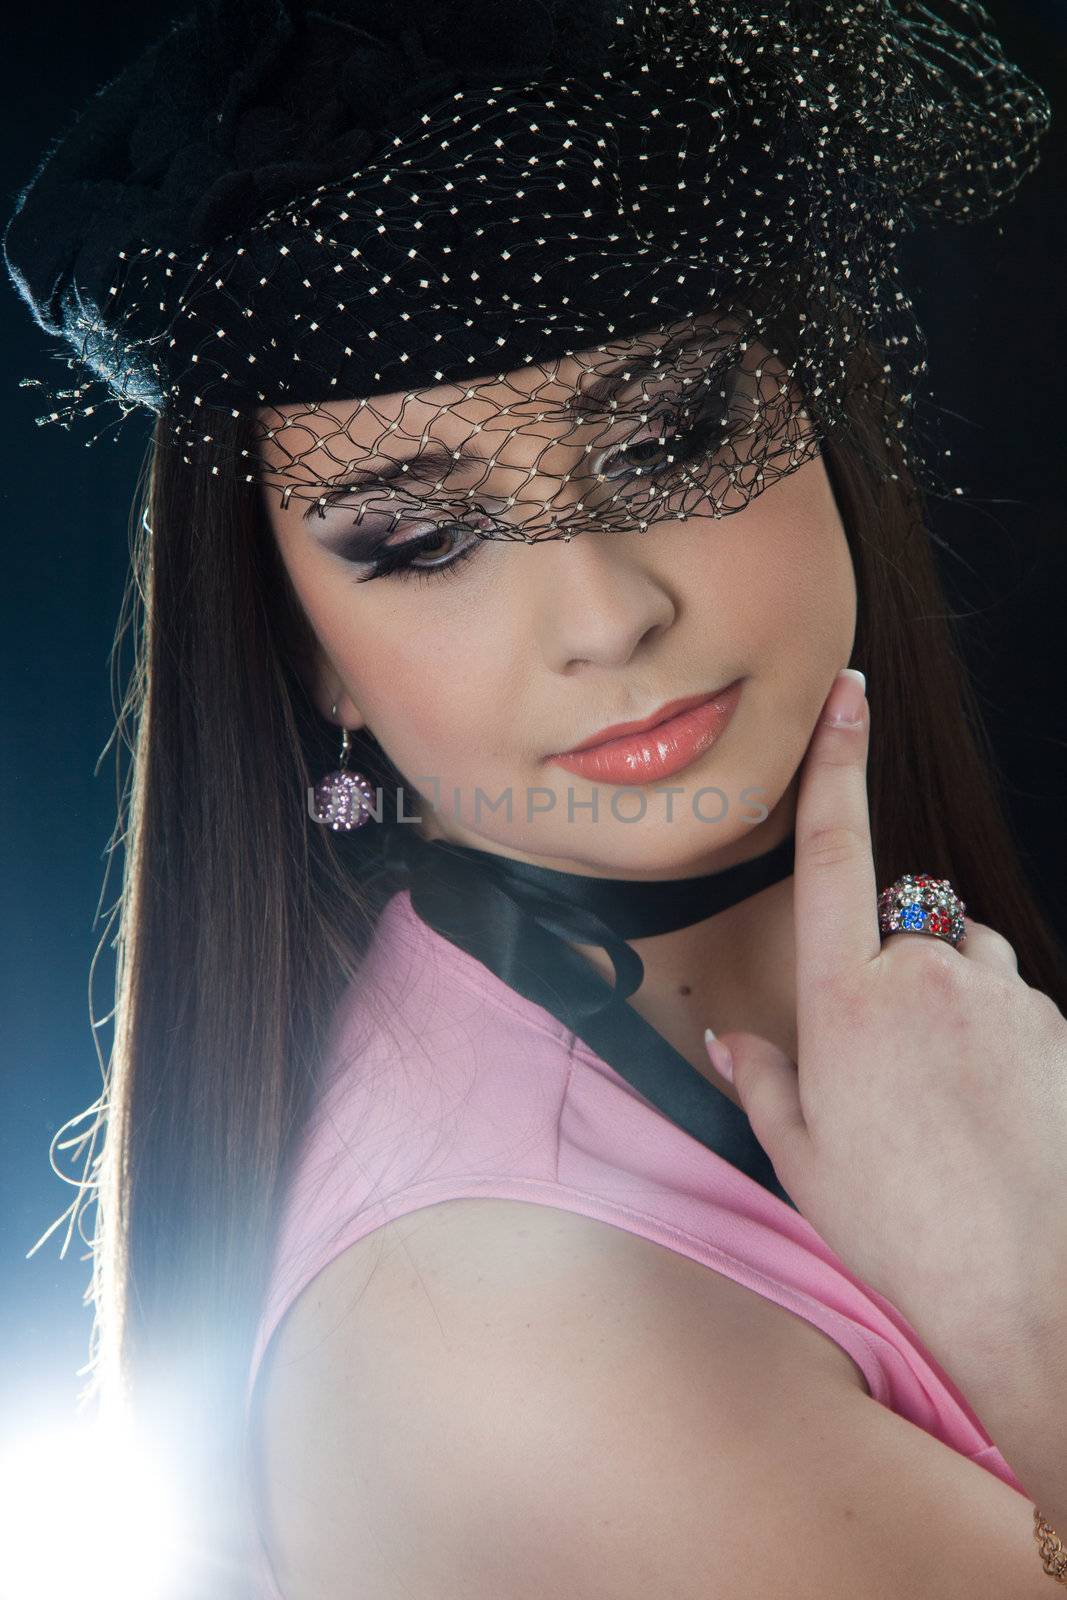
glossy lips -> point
(670, 746)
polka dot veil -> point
(517, 271)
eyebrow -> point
(430, 464)
(426, 468)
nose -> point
(594, 600)
(596, 597)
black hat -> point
(281, 207)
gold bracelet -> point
(1050, 1547)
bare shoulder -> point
(410, 1286)
(491, 1397)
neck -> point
(731, 970)
(734, 971)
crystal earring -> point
(342, 800)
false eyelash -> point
(404, 567)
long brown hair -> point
(241, 922)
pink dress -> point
(444, 1083)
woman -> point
(325, 1032)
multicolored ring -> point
(917, 903)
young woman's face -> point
(471, 676)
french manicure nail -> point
(844, 707)
(719, 1055)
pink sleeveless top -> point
(442, 1083)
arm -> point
(518, 1402)
(1020, 1394)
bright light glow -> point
(85, 1514)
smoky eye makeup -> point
(420, 538)
(436, 461)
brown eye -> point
(440, 544)
(421, 557)
(685, 433)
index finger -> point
(835, 893)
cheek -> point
(428, 695)
(799, 591)
(425, 678)
(397, 684)
(815, 601)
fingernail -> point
(844, 706)
(719, 1055)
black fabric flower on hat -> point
(321, 84)
(246, 104)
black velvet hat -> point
(281, 207)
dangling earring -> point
(342, 800)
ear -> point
(327, 690)
(347, 715)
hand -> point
(923, 1131)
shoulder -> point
(507, 1314)
(489, 1397)
(515, 1258)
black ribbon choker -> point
(486, 902)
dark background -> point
(990, 299)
